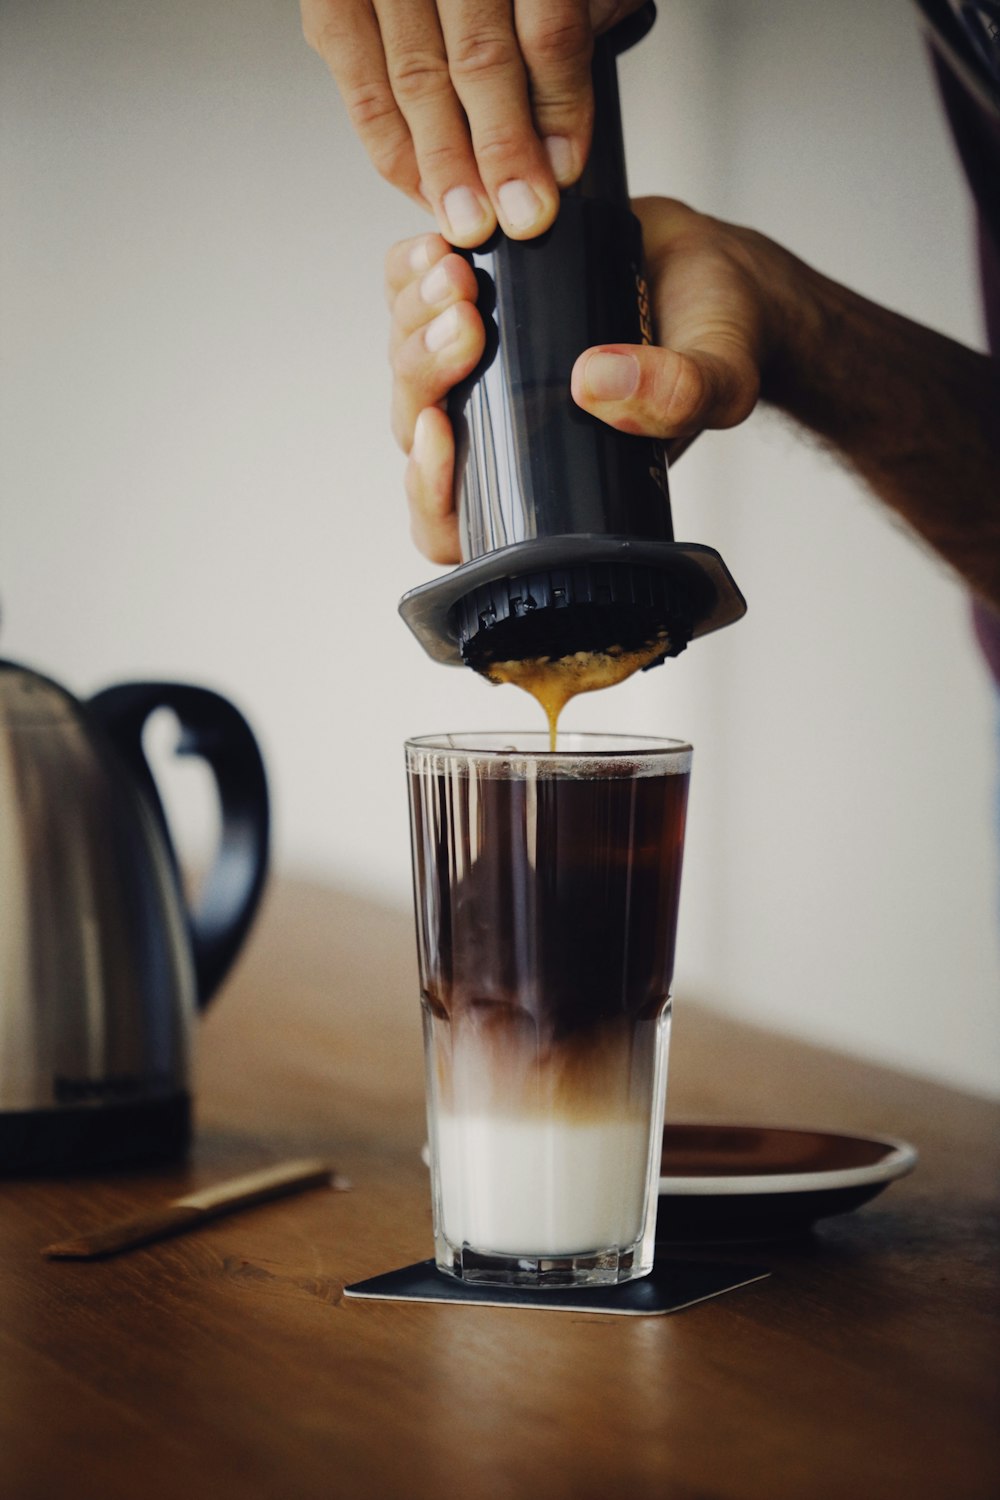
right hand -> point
(713, 288)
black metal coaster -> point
(673, 1284)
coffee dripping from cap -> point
(570, 576)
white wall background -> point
(197, 480)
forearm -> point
(915, 414)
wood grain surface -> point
(227, 1363)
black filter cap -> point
(559, 611)
(554, 596)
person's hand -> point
(713, 315)
(478, 109)
(437, 338)
(913, 413)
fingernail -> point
(519, 203)
(435, 285)
(610, 377)
(464, 212)
(442, 330)
(420, 255)
(562, 157)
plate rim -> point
(901, 1160)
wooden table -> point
(226, 1363)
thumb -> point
(667, 393)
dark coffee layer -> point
(547, 905)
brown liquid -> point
(547, 911)
(554, 681)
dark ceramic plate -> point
(747, 1182)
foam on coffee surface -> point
(553, 681)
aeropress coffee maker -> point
(547, 884)
(565, 526)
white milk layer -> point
(542, 1186)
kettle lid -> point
(28, 699)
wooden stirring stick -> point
(195, 1208)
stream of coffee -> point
(553, 681)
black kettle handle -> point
(214, 730)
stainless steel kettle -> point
(102, 963)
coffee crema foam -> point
(553, 681)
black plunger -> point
(565, 526)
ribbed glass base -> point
(596, 1268)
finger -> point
(450, 280)
(429, 488)
(556, 43)
(408, 260)
(346, 35)
(607, 13)
(488, 73)
(418, 73)
(667, 393)
(430, 362)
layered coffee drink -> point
(546, 890)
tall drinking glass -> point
(546, 891)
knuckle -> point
(373, 113)
(440, 158)
(564, 107)
(550, 39)
(392, 158)
(498, 149)
(565, 98)
(481, 55)
(418, 76)
(369, 103)
(683, 394)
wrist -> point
(795, 312)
